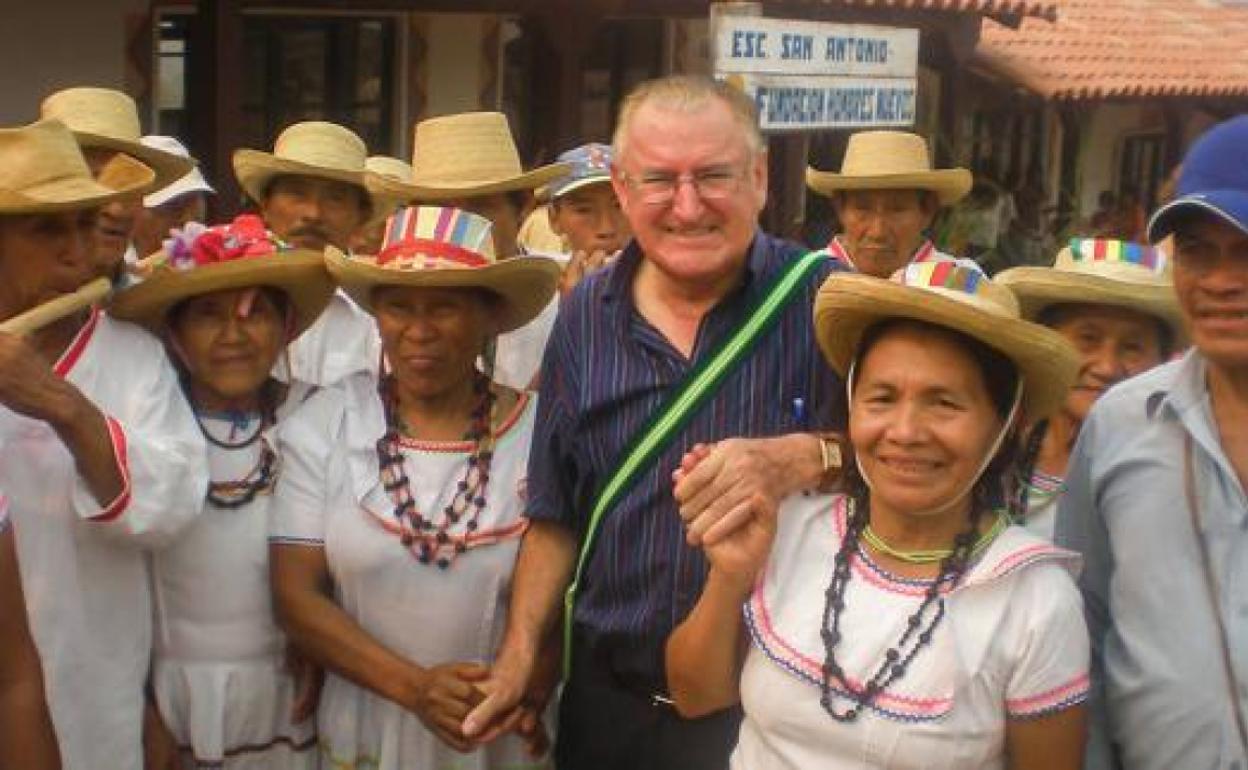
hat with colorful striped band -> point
(443, 247)
(1100, 271)
(955, 297)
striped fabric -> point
(606, 372)
(942, 275)
(425, 237)
(1107, 250)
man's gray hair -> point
(689, 93)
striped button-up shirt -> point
(605, 374)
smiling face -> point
(228, 342)
(1114, 343)
(1211, 282)
(691, 239)
(881, 229)
(44, 256)
(921, 422)
(432, 336)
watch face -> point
(831, 453)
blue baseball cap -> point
(590, 163)
(1214, 180)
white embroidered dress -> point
(330, 496)
(218, 667)
(1012, 645)
(84, 566)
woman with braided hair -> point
(903, 623)
(227, 301)
(401, 507)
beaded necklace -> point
(430, 542)
(262, 477)
(260, 480)
(933, 556)
(897, 658)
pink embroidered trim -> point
(459, 447)
(1063, 696)
(120, 456)
(470, 539)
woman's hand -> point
(443, 695)
(160, 748)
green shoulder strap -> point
(672, 417)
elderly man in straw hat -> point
(172, 206)
(700, 304)
(315, 190)
(106, 122)
(1155, 500)
(469, 161)
(886, 196)
(99, 453)
(1114, 302)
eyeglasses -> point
(659, 189)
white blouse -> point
(1011, 645)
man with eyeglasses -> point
(886, 196)
(690, 172)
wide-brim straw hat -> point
(42, 171)
(955, 297)
(890, 160)
(300, 274)
(442, 247)
(468, 155)
(109, 120)
(317, 149)
(1096, 271)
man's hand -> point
(501, 709)
(722, 487)
(28, 385)
(443, 697)
(581, 264)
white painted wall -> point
(46, 46)
(454, 62)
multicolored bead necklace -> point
(260, 480)
(430, 542)
(897, 658)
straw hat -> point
(239, 255)
(890, 160)
(392, 168)
(438, 246)
(109, 120)
(466, 155)
(958, 298)
(42, 171)
(312, 148)
(1099, 271)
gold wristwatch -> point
(832, 455)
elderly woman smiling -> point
(903, 624)
(227, 300)
(400, 511)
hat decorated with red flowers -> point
(201, 260)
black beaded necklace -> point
(430, 542)
(263, 476)
(897, 658)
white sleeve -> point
(1050, 673)
(160, 454)
(305, 444)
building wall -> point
(43, 52)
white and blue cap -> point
(590, 164)
(191, 182)
(1214, 181)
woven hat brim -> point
(301, 274)
(525, 284)
(255, 170)
(69, 195)
(950, 184)
(169, 168)
(427, 190)
(1038, 288)
(847, 305)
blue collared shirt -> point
(606, 371)
(1160, 691)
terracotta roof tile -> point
(1124, 48)
(1044, 9)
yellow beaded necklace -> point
(937, 555)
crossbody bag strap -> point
(647, 445)
(1211, 590)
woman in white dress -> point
(227, 301)
(401, 506)
(1114, 302)
(903, 624)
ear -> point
(620, 185)
(760, 177)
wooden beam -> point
(215, 57)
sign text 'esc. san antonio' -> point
(810, 75)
